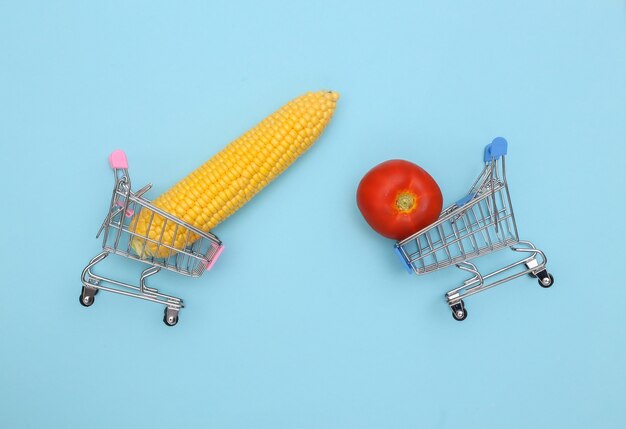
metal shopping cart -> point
(480, 223)
(192, 259)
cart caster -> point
(545, 279)
(87, 296)
(459, 312)
(94, 282)
(170, 317)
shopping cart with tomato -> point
(198, 254)
(480, 223)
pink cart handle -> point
(118, 160)
(213, 260)
(129, 212)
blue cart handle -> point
(495, 149)
(405, 263)
(466, 199)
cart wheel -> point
(170, 318)
(546, 280)
(86, 298)
(459, 312)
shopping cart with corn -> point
(172, 232)
(480, 223)
(172, 244)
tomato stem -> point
(405, 202)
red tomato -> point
(398, 198)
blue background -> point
(308, 320)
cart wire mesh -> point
(478, 224)
(119, 233)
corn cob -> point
(232, 177)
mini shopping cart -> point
(480, 223)
(193, 259)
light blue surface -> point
(308, 320)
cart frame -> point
(480, 223)
(192, 259)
